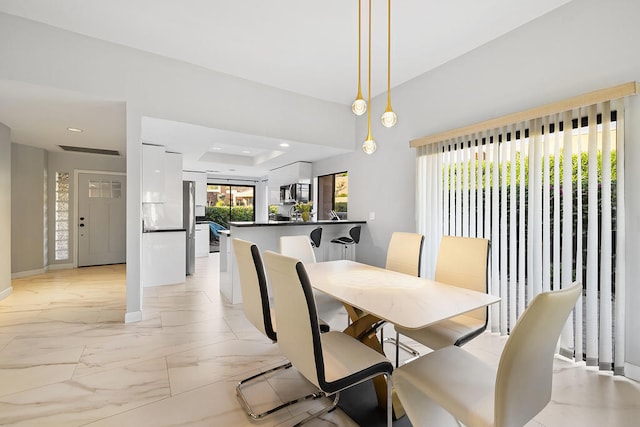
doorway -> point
(101, 219)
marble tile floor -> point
(67, 359)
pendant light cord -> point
(388, 52)
(369, 77)
(359, 42)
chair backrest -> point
(296, 315)
(404, 253)
(298, 247)
(354, 232)
(523, 381)
(253, 285)
(462, 262)
(316, 236)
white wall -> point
(165, 88)
(580, 47)
(5, 211)
(134, 213)
(156, 86)
(632, 234)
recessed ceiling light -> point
(284, 145)
(246, 151)
(74, 129)
(216, 148)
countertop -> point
(295, 223)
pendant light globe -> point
(389, 118)
(369, 146)
(359, 106)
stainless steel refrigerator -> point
(189, 221)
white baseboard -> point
(134, 316)
(60, 266)
(6, 293)
(632, 371)
(28, 273)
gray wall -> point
(583, 46)
(68, 162)
(32, 247)
(28, 169)
(5, 211)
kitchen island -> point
(267, 237)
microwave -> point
(294, 193)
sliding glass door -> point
(227, 203)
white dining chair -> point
(332, 361)
(404, 255)
(299, 246)
(450, 385)
(257, 309)
(462, 262)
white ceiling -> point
(254, 39)
(220, 152)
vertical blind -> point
(548, 193)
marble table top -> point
(405, 300)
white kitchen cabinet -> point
(202, 240)
(201, 189)
(163, 258)
(153, 174)
(173, 191)
(200, 179)
(298, 172)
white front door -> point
(101, 219)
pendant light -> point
(369, 145)
(389, 118)
(359, 106)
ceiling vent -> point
(90, 150)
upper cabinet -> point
(161, 188)
(153, 174)
(294, 173)
(173, 190)
(200, 179)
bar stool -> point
(345, 241)
(316, 236)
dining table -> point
(374, 295)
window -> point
(230, 203)
(105, 189)
(547, 193)
(333, 195)
(62, 216)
